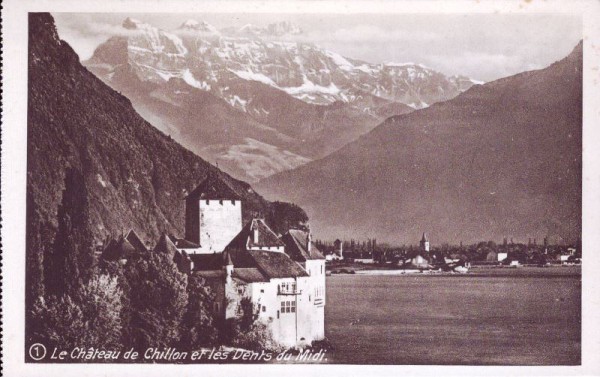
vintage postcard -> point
(300, 188)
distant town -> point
(446, 257)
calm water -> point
(526, 316)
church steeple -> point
(424, 243)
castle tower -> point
(213, 214)
(424, 243)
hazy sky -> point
(483, 47)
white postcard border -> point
(14, 156)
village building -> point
(338, 251)
(502, 256)
(421, 259)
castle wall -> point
(220, 221)
(293, 319)
(317, 298)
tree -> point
(285, 216)
(71, 262)
(57, 322)
(90, 320)
(158, 300)
(198, 322)
(101, 304)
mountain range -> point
(253, 99)
(500, 159)
(136, 176)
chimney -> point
(228, 267)
(308, 240)
(255, 235)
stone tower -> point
(213, 214)
(424, 243)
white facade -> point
(220, 221)
(292, 308)
(502, 256)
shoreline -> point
(527, 270)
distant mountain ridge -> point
(282, 103)
(136, 176)
(501, 159)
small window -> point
(321, 269)
(288, 306)
(278, 314)
(262, 291)
(220, 202)
(207, 202)
(233, 202)
(264, 308)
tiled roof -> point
(136, 241)
(165, 245)
(249, 275)
(181, 243)
(214, 187)
(270, 264)
(210, 274)
(124, 247)
(276, 265)
(295, 246)
(266, 237)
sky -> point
(483, 47)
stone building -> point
(283, 277)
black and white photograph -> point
(316, 184)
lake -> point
(523, 316)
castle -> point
(282, 276)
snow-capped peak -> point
(252, 29)
(132, 23)
(283, 28)
(277, 29)
(406, 64)
(202, 26)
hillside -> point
(136, 176)
(501, 159)
(257, 104)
